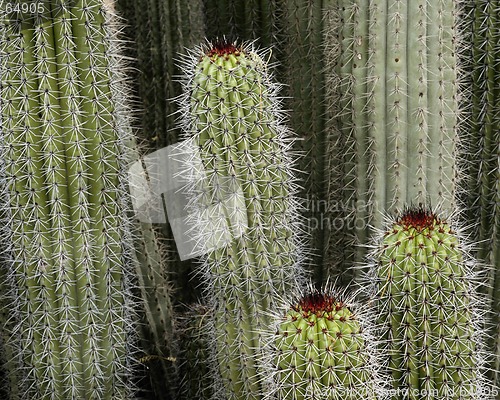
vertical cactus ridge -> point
(252, 20)
(156, 310)
(231, 116)
(431, 316)
(160, 30)
(62, 141)
(393, 121)
(322, 347)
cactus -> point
(156, 311)
(431, 315)
(231, 118)
(64, 125)
(158, 31)
(479, 156)
(301, 53)
(393, 116)
(323, 347)
(250, 20)
(195, 359)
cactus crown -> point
(322, 347)
(319, 303)
(222, 47)
(418, 218)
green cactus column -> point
(431, 316)
(63, 131)
(241, 190)
(323, 348)
(301, 53)
(480, 150)
(393, 115)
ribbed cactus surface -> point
(393, 114)
(243, 202)
(481, 147)
(63, 126)
(324, 350)
(430, 315)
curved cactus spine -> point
(322, 347)
(231, 117)
(397, 116)
(62, 141)
(431, 315)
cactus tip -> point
(418, 217)
(222, 47)
(318, 301)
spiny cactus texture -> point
(246, 19)
(481, 189)
(242, 201)
(323, 348)
(63, 126)
(155, 310)
(431, 316)
(301, 52)
(393, 115)
(157, 31)
(194, 354)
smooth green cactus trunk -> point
(430, 313)
(322, 348)
(243, 203)
(393, 115)
(63, 148)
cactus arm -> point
(322, 350)
(432, 342)
(234, 122)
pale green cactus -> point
(64, 126)
(232, 119)
(322, 347)
(393, 115)
(430, 312)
